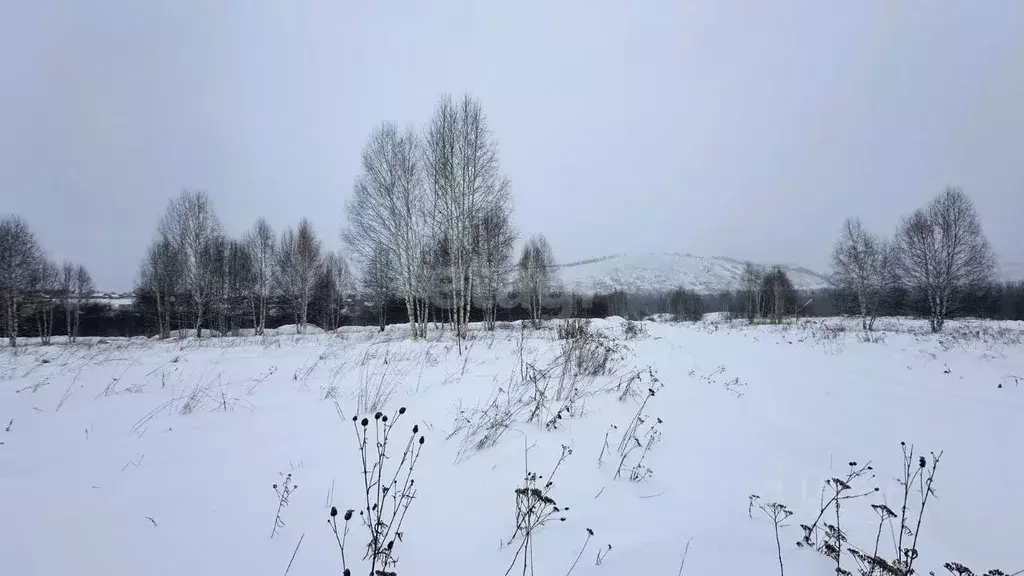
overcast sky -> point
(742, 129)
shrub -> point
(573, 328)
(634, 330)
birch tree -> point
(241, 284)
(299, 261)
(863, 264)
(751, 286)
(67, 283)
(943, 252)
(46, 288)
(334, 284)
(388, 212)
(536, 275)
(379, 283)
(495, 242)
(215, 275)
(161, 277)
(778, 294)
(83, 288)
(262, 246)
(20, 258)
(192, 226)
(464, 180)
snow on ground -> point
(127, 457)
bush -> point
(573, 328)
(634, 330)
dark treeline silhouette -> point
(999, 301)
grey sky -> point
(743, 129)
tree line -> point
(939, 253)
(428, 232)
(937, 265)
(33, 287)
(429, 221)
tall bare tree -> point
(465, 181)
(241, 281)
(82, 289)
(191, 224)
(778, 294)
(215, 260)
(536, 275)
(299, 261)
(864, 265)
(751, 285)
(20, 259)
(944, 253)
(262, 248)
(378, 281)
(160, 278)
(66, 291)
(495, 241)
(334, 285)
(388, 211)
(46, 289)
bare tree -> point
(388, 211)
(334, 284)
(536, 275)
(495, 241)
(944, 253)
(262, 249)
(778, 294)
(863, 264)
(20, 258)
(215, 275)
(192, 226)
(46, 288)
(751, 282)
(66, 291)
(299, 261)
(379, 282)
(465, 181)
(241, 284)
(83, 288)
(160, 278)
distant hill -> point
(662, 272)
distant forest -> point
(1003, 301)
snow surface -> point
(103, 471)
(663, 272)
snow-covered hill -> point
(661, 272)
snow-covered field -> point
(131, 457)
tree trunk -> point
(410, 308)
(863, 312)
(199, 321)
(76, 319)
(67, 319)
(12, 320)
